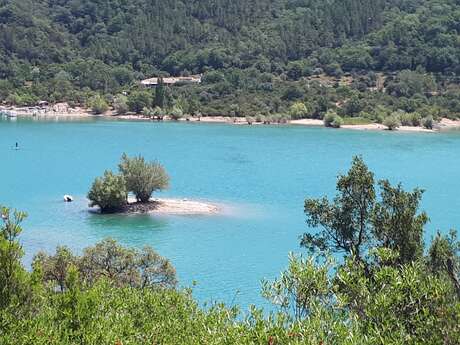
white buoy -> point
(68, 198)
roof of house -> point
(172, 80)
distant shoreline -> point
(69, 113)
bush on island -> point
(391, 122)
(98, 104)
(108, 192)
(143, 178)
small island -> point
(111, 192)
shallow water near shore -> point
(262, 174)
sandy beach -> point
(307, 122)
(62, 110)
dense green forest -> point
(365, 59)
(385, 287)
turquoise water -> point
(262, 174)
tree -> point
(396, 224)
(338, 122)
(331, 119)
(98, 104)
(126, 266)
(298, 110)
(155, 271)
(138, 100)
(143, 178)
(160, 96)
(176, 113)
(120, 104)
(13, 277)
(300, 288)
(391, 122)
(55, 269)
(108, 192)
(159, 113)
(396, 302)
(443, 258)
(428, 122)
(346, 221)
(149, 112)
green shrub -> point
(149, 112)
(410, 119)
(249, 120)
(283, 119)
(428, 122)
(143, 178)
(298, 111)
(120, 104)
(138, 100)
(260, 118)
(108, 192)
(176, 113)
(98, 104)
(329, 118)
(338, 122)
(391, 122)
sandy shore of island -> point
(172, 207)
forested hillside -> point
(257, 57)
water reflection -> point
(117, 225)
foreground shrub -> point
(108, 192)
(110, 261)
(143, 178)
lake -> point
(262, 174)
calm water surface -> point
(262, 173)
